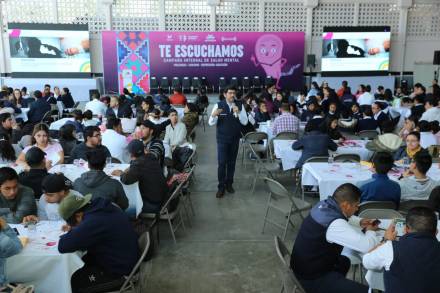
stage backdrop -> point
(130, 58)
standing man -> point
(229, 115)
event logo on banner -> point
(130, 58)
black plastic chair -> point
(175, 83)
(195, 83)
(186, 85)
(206, 85)
(256, 84)
(268, 80)
(246, 84)
(234, 82)
(222, 84)
(154, 85)
(405, 206)
(165, 84)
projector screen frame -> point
(50, 27)
(360, 29)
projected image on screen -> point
(350, 49)
(42, 48)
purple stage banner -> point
(131, 58)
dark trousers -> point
(335, 281)
(91, 278)
(226, 156)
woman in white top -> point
(40, 138)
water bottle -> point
(330, 159)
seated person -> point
(262, 115)
(380, 187)
(92, 141)
(152, 145)
(175, 133)
(10, 245)
(7, 151)
(191, 117)
(314, 143)
(98, 183)
(411, 264)
(177, 98)
(415, 184)
(55, 187)
(16, 201)
(9, 127)
(316, 256)
(95, 106)
(77, 121)
(355, 112)
(67, 138)
(115, 141)
(286, 122)
(418, 108)
(119, 108)
(333, 111)
(104, 231)
(317, 121)
(332, 128)
(367, 122)
(41, 139)
(408, 126)
(145, 169)
(412, 147)
(312, 107)
(388, 141)
(88, 119)
(32, 178)
(378, 114)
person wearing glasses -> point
(92, 141)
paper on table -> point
(54, 158)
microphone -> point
(235, 113)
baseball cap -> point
(136, 148)
(147, 123)
(34, 156)
(55, 183)
(71, 203)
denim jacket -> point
(9, 246)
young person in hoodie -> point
(145, 169)
(101, 228)
(98, 183)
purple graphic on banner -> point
(202, 54)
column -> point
(2, 49)
(161, 15)
(105, 6)
(212, 16)
(403, 5)
(261, 16)
(309, 5)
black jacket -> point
(67, 100)
(37, 110)
(80, 151)
(33, 179)
(152, 183)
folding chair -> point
(246, 84)
(204, 116)
(281, 200)
(256, 84)
(267, 167)
(254, 138)
(222, 84)
(387, 205)
(367, 134)
(154, 85)
(186, 196)
(186, 85)
(175, 83)
(434, 151)
(165, 84)
(290, 283)
(406, 205)
(380, 214)
(133, 278)
(169, 216)
(195, 83)
(234, 82)
(347, 158)
(299, 185)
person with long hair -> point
(7, 152)
(332, 128)
(67, 138)
(40, 138)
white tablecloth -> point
(329, 176)
(375, 278)
(267, 127)
(23, 115)
(40, 263)
(73, 172)
(289, 157)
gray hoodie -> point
(100, 184)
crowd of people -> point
(95, 206)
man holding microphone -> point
(229, 116)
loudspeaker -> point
(92, 92)
(436, 58)
(311, 60)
